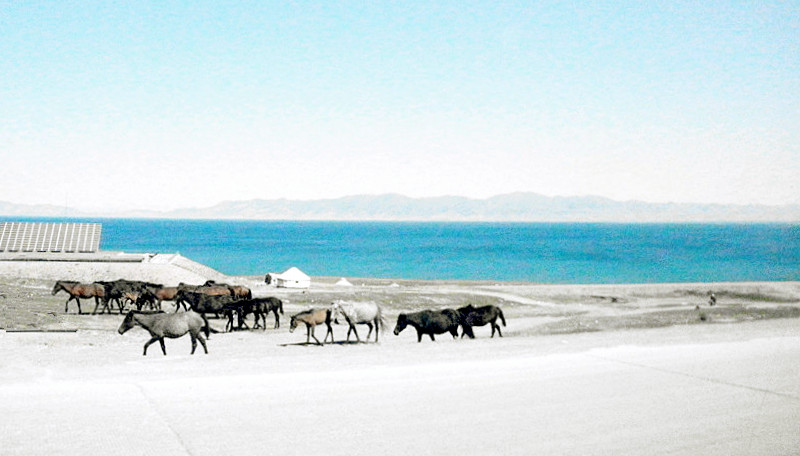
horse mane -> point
(306, 312)
(145, 312)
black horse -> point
(260, 307)
(202, 302)
(429, 322)
(119, 290)
(479, 316)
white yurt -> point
(292, 278)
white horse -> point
(367, 313)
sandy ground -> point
(582, 370)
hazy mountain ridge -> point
(517, 207)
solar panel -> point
(50, 237)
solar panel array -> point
(50, 237)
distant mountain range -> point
(514, 207)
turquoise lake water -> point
(535, 252)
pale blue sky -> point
(158, 105)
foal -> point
(312, 318)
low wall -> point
(164, 269)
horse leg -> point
(105, 306)
(329, 331)
(194, 341)
(163, 347)
(369, 325)
(202, 342)
(315, 337)
(432, 338)
(79, 306)
(498, 329)
(358, 339)
(419, 336)
(149, 342)
(96, 305)
(277, 321)
(467, 329)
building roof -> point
(50, 237)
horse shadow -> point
(304, 344)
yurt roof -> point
(294, 274)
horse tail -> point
(280, 306)
(205, 325)
(502, 318)
(381, 320)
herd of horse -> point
(236, 302)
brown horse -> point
(312, 318)
(240, 292)
(164, 294)
(161, 325)
(77, 290)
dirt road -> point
(721, 389)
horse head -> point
(128, 323)
(293, 324)
(336, 309)
(402, 322)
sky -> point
(162, 105)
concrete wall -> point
(167, 271)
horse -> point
(209, 289)
(237, 307)
(161, 325)
(164, 294)
(479, 316)
(117, 290)
(312, 318)
(78, 290)
(367, 313)
(240, 292)
(260, 307)
(140, 299)
(429, 322)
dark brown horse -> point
(260, 307)
(161, 325)
(77, 290)
(429, 322)
(312, 318)
(209, 289)
(480, 316)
